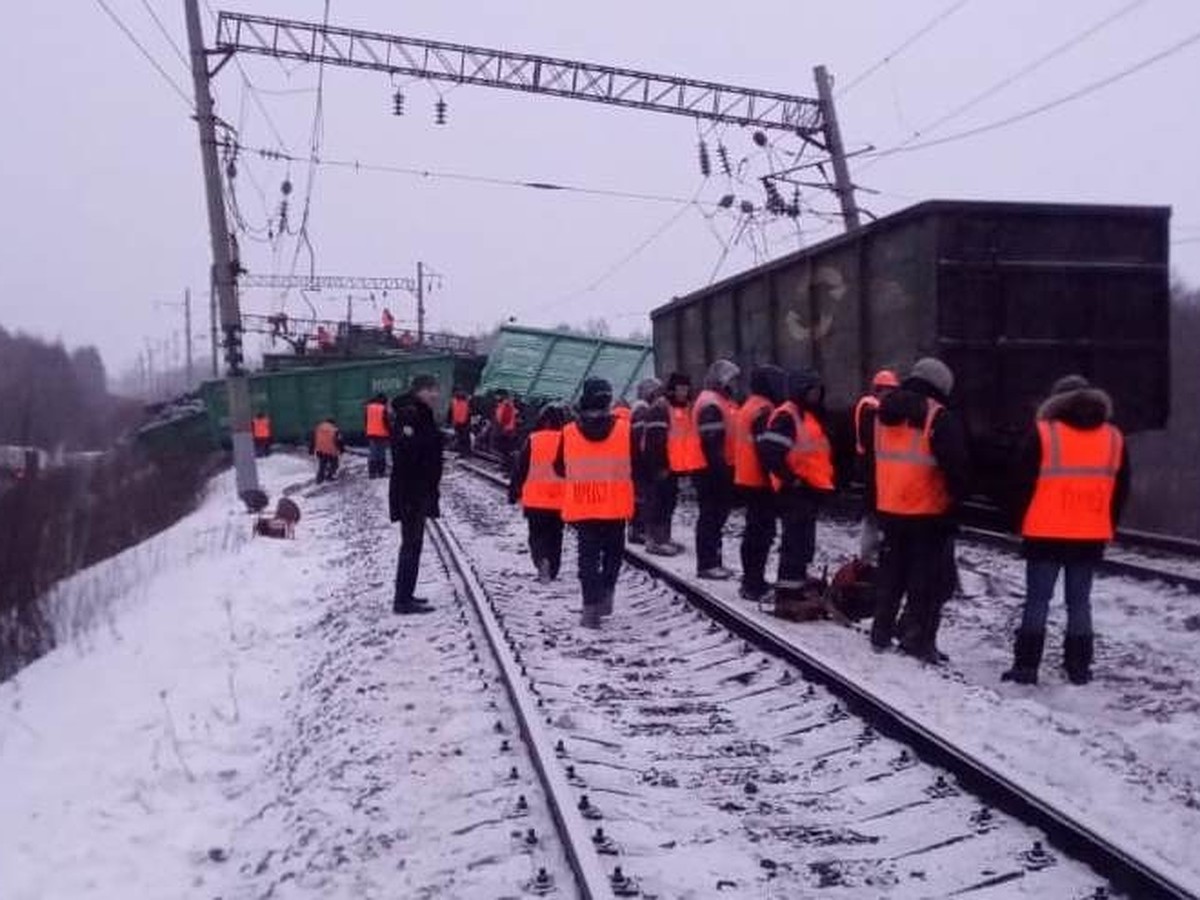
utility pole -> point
(420, 304)
(212, 324)
(842, 185)
(187, 333)
(224, 274)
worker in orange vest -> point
(326, 443)
(260, 430)
(387, 322)
(672, 447)
(460, 421)
(918, 449)
(324, 338)
(768, 389)
(504, 421)
(713, 416)
(1071, 483)
(378, 436)
(596, 460)
(539, 489)
(884, 382)
(796, 454)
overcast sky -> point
(103, 196)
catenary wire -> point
(167, 34)
(904, 45)
(147, 54)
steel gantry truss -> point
(463, 64)
(332, 282)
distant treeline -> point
(53, 398)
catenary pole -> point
(420, 304)
(842, 185)
(187, 333)
(224, 273)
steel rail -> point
(1106, 856)
(585, 863)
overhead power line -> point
(167, 34)
(1077, 94)
(908, 42)
(147, 54)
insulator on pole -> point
(705, 162)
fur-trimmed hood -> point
(1085, 408)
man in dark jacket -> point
(413, 491)
(648, 391)
(654, 461)
(918, 449)
(714, 413)
(1070, 485)
(534, 485)
(768, 389)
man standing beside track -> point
(648, 392)
(673, 449)
(460, 421)
(596, 460)
(415, 485)
(884, 382)
(767, 388)
(713, 414)
(919, 452)
(1072, 480)
(377, 436)
(540, 491)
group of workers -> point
(609, 467)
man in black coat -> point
(413, 491)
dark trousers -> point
(643, 489)
(545, 538)
(601, 543)
(412, 538)
(327, 466)
(757, 537)
(262, 446)
(798, 537)
(917, 562)
(1041, 575)
(377, 457)
(462, 439)
(714, 492)
(660, 507)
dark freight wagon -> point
(297, 399)
(1011, 295)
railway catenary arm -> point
(1123, 868)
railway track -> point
(796, 778)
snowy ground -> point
(1122, 753)
(248, 719)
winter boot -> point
(543, 571)
(1027, 656)
(716, 573)
(591, 616)
(1077, 657)
(606, 602)
(637, 533)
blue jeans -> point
(1040, 578)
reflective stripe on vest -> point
(377, 426)
(908, 479)
(599, 482)
(260, 428)
(747, 470)
(809, 456)
(684, 453)
(728, 410)
(870, 400)
(1072, 499)
(543, 488)
(325, 440)
(460, 411)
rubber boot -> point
(590, 617)
(1077, 657)
(606, 602)
(1027, 656)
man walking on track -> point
(377, 436)
(327, 445)
(540, 491)
(919, 451)
(714, 412)
(1072, 481)
(414, 489)
(595, 459)
(260, 429)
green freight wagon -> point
(297, 399)
(551, 365)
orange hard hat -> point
(885, 378)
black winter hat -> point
(769, 381)
(801, 381)
(596, 394)
(677, 378)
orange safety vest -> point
(543, 488)
(684, 453)
(325, 439)
(865, 402)
(728, 411)
(260, 428)
(908, 479)
(623, 412)
(460, 411)
(1073, 497)
(599, 483)
(747, 470)
(809, 457)
(506, 416)
(377, 425)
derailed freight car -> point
(1010, 295)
